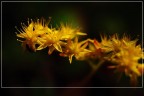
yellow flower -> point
(99, 49)
(32, 32)
(51, 40)
(95, 48)
(75, 48)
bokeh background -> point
(26, 69)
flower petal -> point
(70, 58)
(57, 47)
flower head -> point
(32, 32)
(126, 56)
(122, 52)
(75, 48)
(51, 40)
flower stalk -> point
(123, 53)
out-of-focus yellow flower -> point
(126, 56)
(75, 48)
(122, 52)
(69, 32)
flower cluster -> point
(37, 35)
(123, 52)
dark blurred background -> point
(25, 69)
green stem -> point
(95, 68)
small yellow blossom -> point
(101, 49)
(51, 40)
(96, 51)
(32, 32)
(75, 48)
